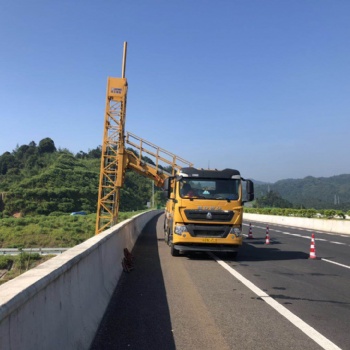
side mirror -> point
(168, 188)
(249, 191)
(166, 184)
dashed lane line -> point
(301, 236)
(304, 229)
(333, 262)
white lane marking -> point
(295, 320)
(295, 234)
(304, 229)
(306, 237)
(333, 262)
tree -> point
(46, 146)
(272, 199)
(7, 161)
(95, 153)
(81, 155)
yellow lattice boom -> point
(116, 159)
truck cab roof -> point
(217, 174)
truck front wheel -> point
(174, 252)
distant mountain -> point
(257, 182)
(311, 192)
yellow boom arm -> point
(116, 159)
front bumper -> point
(207, 247)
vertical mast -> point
(113, 158)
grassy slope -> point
(42, 232)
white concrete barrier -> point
(328, 225)
(60, 303)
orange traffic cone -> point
(312, 247)
(250, 234)
(267, 239)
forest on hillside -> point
(39, 179)
(309, 192)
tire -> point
(167, 238)
(173, 251)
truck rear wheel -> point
(174, 252)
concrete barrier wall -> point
(336, 226)
(60, 303)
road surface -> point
(271, 297)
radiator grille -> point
(208, 231)
(207, 215)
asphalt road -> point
(271, 297)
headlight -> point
(236, 231)
(179, 229)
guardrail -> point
(41, 251)
(327, 225)
(60, 303)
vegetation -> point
(311, 192)
(41, 180)
(272, 199)
(42, 231)
(46, 231)
(13, 266)
(41, 185)
(49, 231)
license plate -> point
(209, 240)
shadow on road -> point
(256, 250)
(138, 314)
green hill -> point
(39, 179)
(312, 192)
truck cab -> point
(204, 211)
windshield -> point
(209, 188)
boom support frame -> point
(116, 159)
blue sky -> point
(262, 86)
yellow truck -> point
(204, 211)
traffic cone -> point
(312, 248)
(267, 239)
(250, 234)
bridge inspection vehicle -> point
(208, 217)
